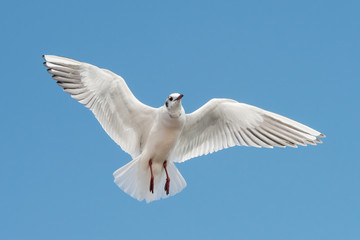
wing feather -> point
(223, 123)
(126, 120)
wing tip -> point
(44, 56)
(60, 60)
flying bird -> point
(157, 137)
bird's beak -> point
(179, 97)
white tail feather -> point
(134, 179)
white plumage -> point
(157, 137)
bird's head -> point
(173, 104)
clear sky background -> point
(296, 58)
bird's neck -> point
(173, 117)
(177, 112)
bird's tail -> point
(134, 179)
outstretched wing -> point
(124, 118)
(223, 123)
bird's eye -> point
(170, 98)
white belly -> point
(160, 142)
(162, 138)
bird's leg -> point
(167, 184)
(152, 177)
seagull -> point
(157, 137)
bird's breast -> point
(161, 140)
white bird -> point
(157, 137)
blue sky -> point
(299, 59)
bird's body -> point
(158, 137)
(163, 136)
(164, 133)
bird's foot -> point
(152, 177)
(152, 185)
(167, 184)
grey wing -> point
(223, 123)
(125, 119)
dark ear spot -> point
(166, 104)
